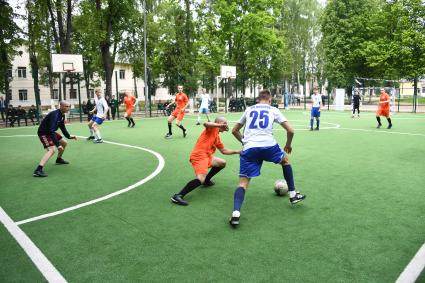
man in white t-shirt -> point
(101, 108)
(316, 100)
(203, 109)
(259, 145)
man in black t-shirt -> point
(356, 104)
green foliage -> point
(10, 40)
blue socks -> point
(289, 177)
(311, 123)
(317, 123)
(239, 196)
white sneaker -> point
(234, 220)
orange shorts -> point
(129, 111)
(383, 112)
(178, 113)
(201, 164)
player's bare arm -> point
(236, 132)
(226, 151)
(289, 136)
(225, 127)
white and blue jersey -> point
(205, 100)
(315, 109)
(101, 110)
(258, 140)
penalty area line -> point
(414, 268)
(37, 257)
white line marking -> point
(161, 163)
(129, 188)
(382, 132)
(38, 258)
(414, 268)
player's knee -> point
(222, 163)
(201, 178)
(285, 161)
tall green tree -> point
(10, 40)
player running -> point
(384, 109)
(101, 108)
(50, 139)
(202, 158)
(130, 102)
(316, 99)
(182, 102)
(203, 109)
(259, 145)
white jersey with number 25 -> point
(258, 120)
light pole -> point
(145, 58)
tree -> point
(10, 40)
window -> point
(22, 72)
(9, 73)
(9, 94)
(91, 93)
(122, 74)
(23, 95)
(423, 89)
(55, 94)
(73, 94)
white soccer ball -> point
(280, 187)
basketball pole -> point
(79, 98)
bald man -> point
(50, 139)
(202, 158)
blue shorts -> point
(98, 120)
(315, 112)
(203, 110)
(252, 159)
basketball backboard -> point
(67, 63)
(228, 72)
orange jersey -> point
(181, 100)
(129, 101)
(384, 97)
(207, 143)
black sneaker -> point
(39, 173)
(132, 126)
(311, 129)
(234, 219)
(60, 161)
(197, 124)
(378, 126)
(98, 141)
(178, 199)
(297, 198)
(168, 136)
(389, 126)
(184, 133)
(209, 183)
(90, 138)
(316, 129)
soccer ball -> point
(280, 187)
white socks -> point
(97, 134)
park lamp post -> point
(145, 57)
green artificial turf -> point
(363, 219)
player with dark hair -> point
(130, 102)
(384, 109)
(259, 145)
(202, 158)
(50, 139)
(182, 102)
(356, 104)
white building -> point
(22, 85)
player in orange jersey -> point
(202, 158)
(130, 102)
(182, 102)
(384, 108)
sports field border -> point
(409, 275)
